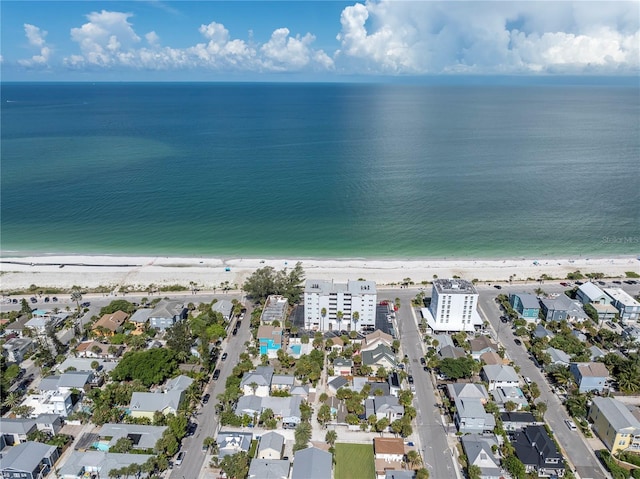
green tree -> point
(302, 436)
(514, 466)
(457, 368)
(413, 459)
(122, 445)
(235, 466)
(330, 437)
(474, 472)
(324, 414)
(422, 473)
(150, 367)
(381, 425)
(180, 339)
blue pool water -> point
(101, 446)
(296, 348)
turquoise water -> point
(296, 348)
(101, 446)
(331, 170)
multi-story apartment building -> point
(330, 306)
(453, 306)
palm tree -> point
(331, 437)
(12, 400)
(414, 460)
(76, 296)
(339, 316)
(208, 442)
(323, 313)
(474, 472)
(355, 317)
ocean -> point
(320, 170)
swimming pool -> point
(101, 446)
(296, 348)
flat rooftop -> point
(454, 286)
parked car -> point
(223, 357)
(410, 379)
(205, 398)
(571, 425)
(235, 331)
(216, 374)
(423, 361)
(86, 304)
(180, 458)
(517, 341)
(497, 286)
(33, 299)
(611, 324)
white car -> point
(571, 425)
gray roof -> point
(102, 461)
(71, 379)
(558, 356)
(500, 372)
(179, 383)
(144, 401)
(16, 425)
(84, 364)
(338, 382)
(271, 440)
(167, 309)
(467, 390)
(26, 456)
(541, 332)
(287, 407)
(452, 352)
(269, 469)
(478, 452)
(248, 403)
(274, 309)
(325, 287)
(401, 474)
(231, 442)
(141, 316)
(223, 306)
(17, 343)
(282, 380)
(443, 340)
(454, 286)
(616, 413)
(591, 291)
(383, 404)
(143, 437)
(528, 300)
(261, 376)
(340, 361)
(312, 463)
(375, 355)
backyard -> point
(354, 461)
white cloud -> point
(36, 38)
(489, 37)
(109, 40)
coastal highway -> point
(574, 447)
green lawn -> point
(354, 461)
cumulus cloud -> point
(108, 40)
(489, 37)
(36, 38)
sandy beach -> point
(207, 273)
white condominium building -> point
(330, 306)
(453, 306)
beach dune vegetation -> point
(267, 281)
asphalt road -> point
(205, 416)
(572, 443)
(434, 447)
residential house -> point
(499, 375)
(110, 324)
(270, 339)
(337, 383)
(395, 383)
(49, 423)
(271, 446)
(166, 314)
(224, 307)
(562, 308)
(373, 340)
(141, 436)
(589, 293)
(50, 402)
(67, 382)
(400, 474)
(286, 409)
(589, 376)
(526, 305)
(269, 469)
(312, 463)
(97, 350)
(503, 395)
(257, 382)
(337, 344)
(615, 425)
(537, 451)
(42, 320)
(596, 352)
(387, 406)
(300, 390)
(28, 460)
(518, 420)
(80, 465)
(540, 332)
(140, 319)
(627, 306)
(558, 356)
(15, 431)
(275, 309)
(480, 345)
(342, 366)
(451, 352)
(388, 453)
(381, 356)
(478, 449)
(631, 333)
(491, 358)
(453, 306)
(18, 348)
(17, 327)
(579, 335)
(469, 400)
(282, 382)
(249, 405)
(84, 364)
(442, 340)
(345, 306)
(233, 442)
(165, 400)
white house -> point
(389, 449)
(453, 306)
(500, 376)
(350, 306)
(628, 307)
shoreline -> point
(121, 271)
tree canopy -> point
(149, 367)
(457, 368)
(266, 281)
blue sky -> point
(315, 40)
